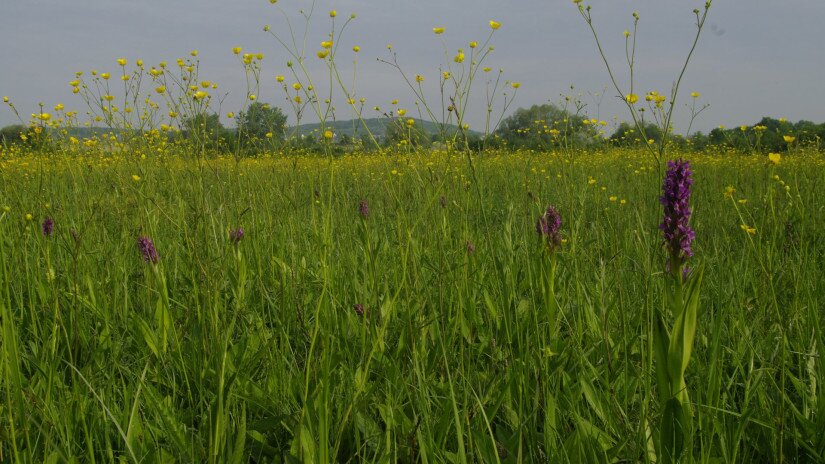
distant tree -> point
(398, 130)
(628, 134)
(542, 126)
(207, 129)
(259, 120)
(13, 134)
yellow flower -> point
(626, 33)
(487, 69)
(139, 63)
(410, 122)
(401, 111)
(269, 135)
(631, 98)
(322, 54)
(328, 134)
(296, 86)
(5, 99)
(135, 177)
(194, 53)
(788, 138)
(252, 96)
(29, 216)
(121, 61)
(774, 158)
(326, 44)
(438, 30)
(515, 85)
(473, 44)
(297, 99)
(729, 191)
(333, 13)
(445, 75)
(237, 50)
(695, 94)
(494, 25)
(58, 107)
(394, 102)
(200, 94)
(356, 49)
(419, 78)
(124, 77)
(230, 115)
(160, 89)
(279, 78)
(459, 58)
(105, 76)
(748, 229)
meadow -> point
(532, 290)
(419, 326)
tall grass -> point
(254, 352)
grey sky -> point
(757, 57)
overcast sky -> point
(757, 57)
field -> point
(401, 308)
(288, 268)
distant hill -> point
(378, 127)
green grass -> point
(460, 357)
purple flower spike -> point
(47, 227)
(364, 209)
(236, 235)
(359, 309)
(675, 226)
(147, 249)
(548, 227)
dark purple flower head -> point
(235, 236)
(359, 309)
(147, 249)
(548, 227)
(364, 209)
(48, 226)
(675, 226)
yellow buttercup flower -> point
(438, 30)
(322, 54)
(695, 94)
(419, 78)
(121, 61)
(279, 78)
(105, 76)
(237, 50)
(328, 134)
(200, 95)
(135, 177)
(252, 96)
(515, 85)
(495, 25)
(296, 86)
(333, 13)
(230, 115)
(194, 53)
(160, 89)
(774, 158)
(631, 98)
(788, 138)
(356, 49)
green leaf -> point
(673, 431)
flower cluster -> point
(236, 235)
(675, 226)
(548, 227)
(147, 250)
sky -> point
(755, 58)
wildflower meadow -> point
(327, 279)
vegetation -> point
(401, 289)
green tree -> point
(259, 120)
